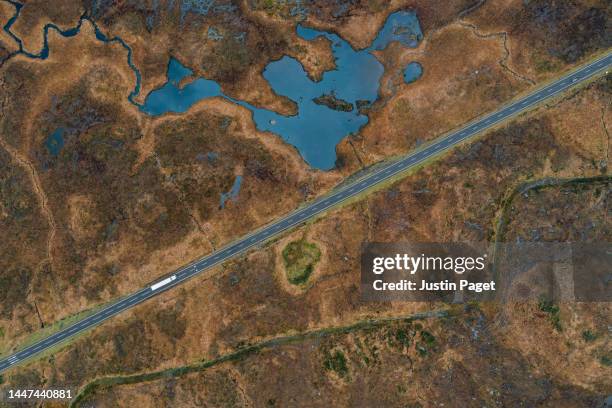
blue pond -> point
(177, 72)
(233, 193)
(402, 26)
(172, 98)
(55, 142)
(316, 129)
(209, 157)
(213, 34)
(412, 72)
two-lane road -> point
(322, 204)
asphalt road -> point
(314, 208)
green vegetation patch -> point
(300, 258)
(426, 344)
(427, 337)
(336, 362)
(401, 337)
(553, 311)
(589, 336)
